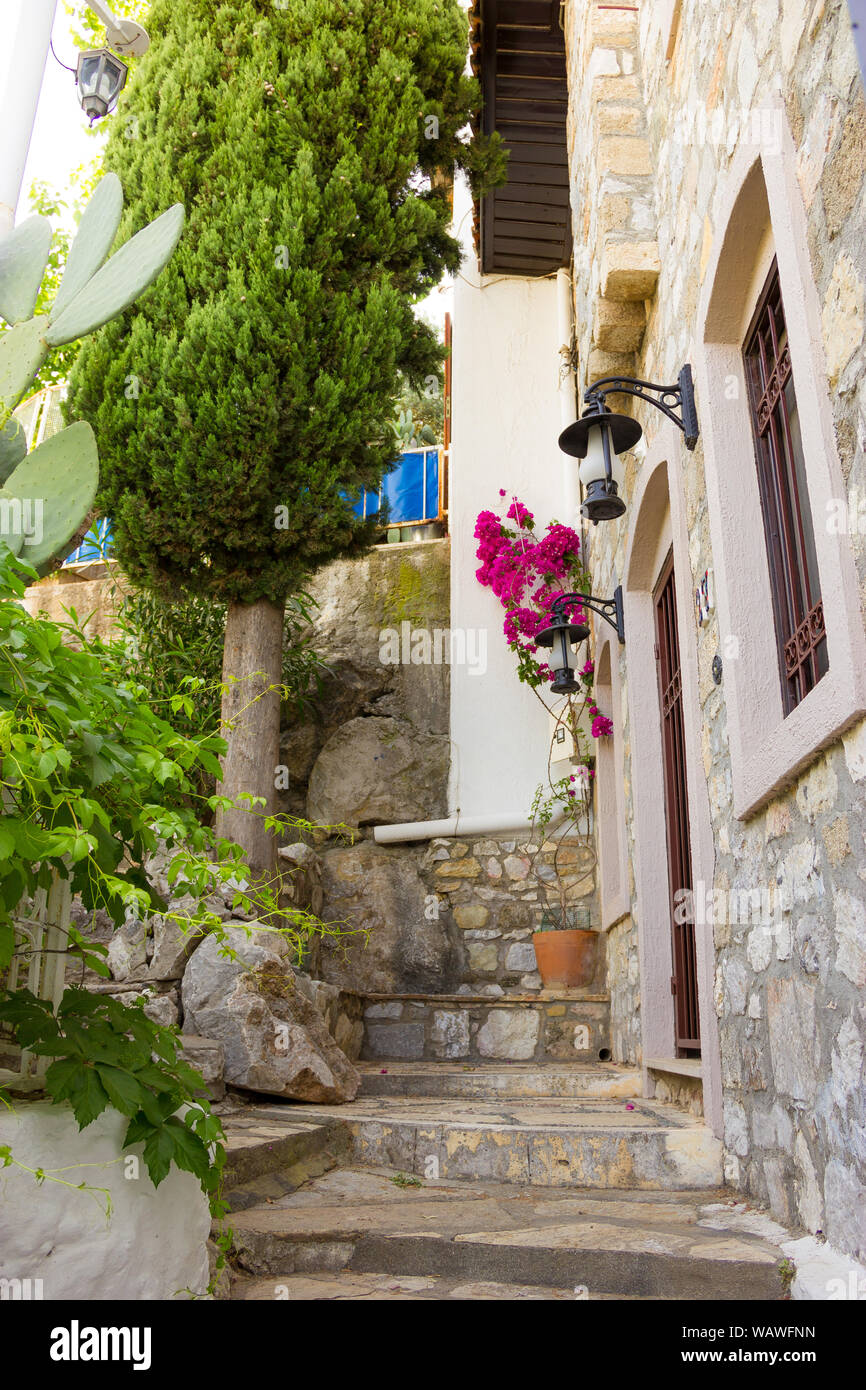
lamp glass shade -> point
(592, 467)
(562, 656)
(100, 77)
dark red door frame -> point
(684, 981)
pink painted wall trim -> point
(659, 485)
(610, 789)
(767, 750)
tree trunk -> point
(252, 675)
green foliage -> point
(92, 778)
(421, 414)
(308, 142)
(173, 653)
(60, 475)
(48, 203)
(93, 781)
(787, 1274)
(111, 1054)
(406, 1180)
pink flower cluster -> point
(527, 573)
(602, 727)
(517, 566)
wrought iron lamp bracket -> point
(610, 609)
(668, 399)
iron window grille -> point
(798, 610)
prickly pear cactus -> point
(47, 495)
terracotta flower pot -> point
(566, 958)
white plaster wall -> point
(152, 1247)
(506, 418)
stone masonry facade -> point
(662, 96)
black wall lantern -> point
(599, 436)
(563, 633)
(100, 77)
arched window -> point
(786, 581)
(795, 583)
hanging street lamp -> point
(600, 436)
(100, 77)
(563, 634)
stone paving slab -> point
(343, 1285)
(526, 1113)
(261, 1142)
(491, 1080)
(548, 1142)
(643, 1244)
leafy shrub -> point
(94, 781)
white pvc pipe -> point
(460, 825)
(19, 97)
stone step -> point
(263, 1142)
(497, 1081)
(541, 1142)
(355, 1222)
(342, 1285)
(548, 1026)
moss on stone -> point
(417, 586)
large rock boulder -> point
(379, 770)
(127, 950)
(412, 944)
(359, 606)
(275, 1039)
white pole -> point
(19, 96)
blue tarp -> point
(411, 490)
(95, 546)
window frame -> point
(789, 527)
(761, 199)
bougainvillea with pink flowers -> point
(527, 571)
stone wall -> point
(497, 890)
(375, 747)
(623, 974)
(564, 1026)
(451, 915)
(663, 96)
(95, 593)
(790, 999)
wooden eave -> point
(518, 56)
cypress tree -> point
(253, 388)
